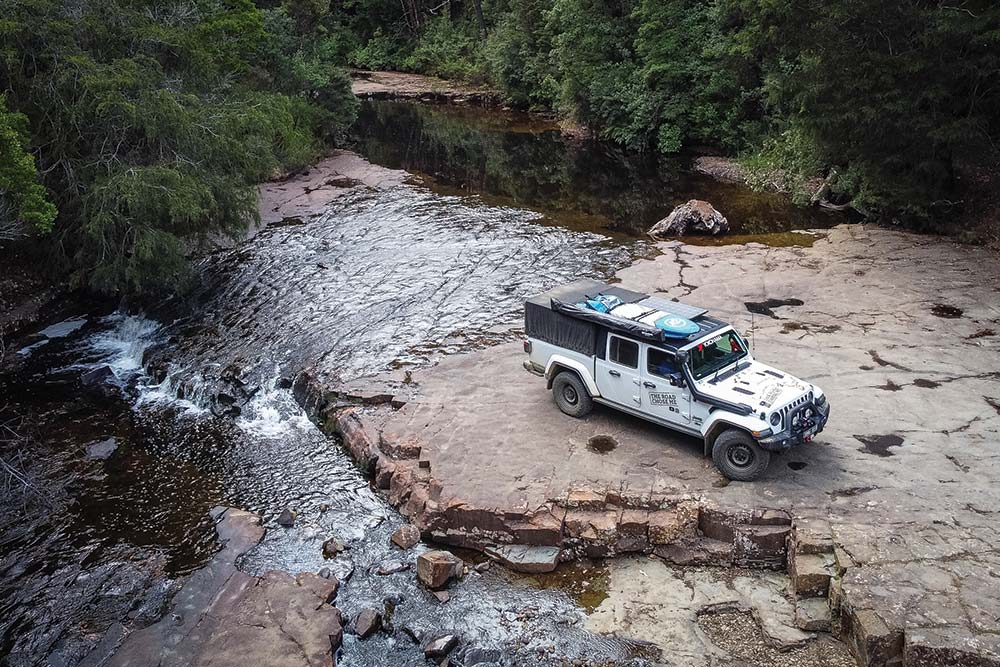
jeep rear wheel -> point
(571, 395)
(738, 457)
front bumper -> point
(785, 440)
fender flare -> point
(558, 362)
(719, 421)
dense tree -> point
(882, 99)
(153, 121)
(24, 203)
(888, 92)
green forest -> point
(131, 131)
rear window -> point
(624, 352)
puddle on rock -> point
(946, 311)
(879, 444)
(602, 444)
(797, 465)
(766, 307)
(924, 383)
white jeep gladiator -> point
(672, 364)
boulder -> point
(440, 646)
(436, 568)
(368, 622)
(694, 217)
(406, 536)
(287, 518)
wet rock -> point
(367, 623)
(326, 573)
(392, 567)
(103, 450)
(693, 217)
(482, 656)
(332, 547)
(287, 518)
(524, 558)
(436, 568)
(414, 632)
(441, 646)
(406, 536)
(96, 377)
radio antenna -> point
(753, 334)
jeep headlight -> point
(775, 419)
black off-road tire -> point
(739, 457)
(571, 394)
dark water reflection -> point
(521, 160)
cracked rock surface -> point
(898, 329)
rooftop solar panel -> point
(673, 307)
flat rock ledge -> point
(584, 521)
(894, 551)
(375, 85)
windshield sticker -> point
(770, 395)
(662, 399)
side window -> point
(660, 363)
(624, 352)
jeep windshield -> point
(714, 354)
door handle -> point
(649, 385)
(615, 373)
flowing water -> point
(195, 410)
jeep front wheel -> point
(571, 395)
(738, 457)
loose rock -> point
(392, 567)
(442, 596)
(332, 547)
(406, 536)
(287, 518)
(441, 646)
(695, 216)
(368, 622)
(103, 450)
(436, 568)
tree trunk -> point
(479, 16)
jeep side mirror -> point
(676, 379)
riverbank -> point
(884, 522)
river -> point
(197, 412)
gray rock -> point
(695, 216)
(392, 567)
(97, 376)
(436, 568)
(525, 558)
(287, 518)
(440, 646)
(103, 450)
(406, 536)
(368, 622)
